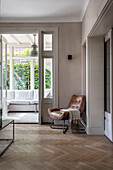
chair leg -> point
(83, 125)
(53, 127)
(52, 121)
(64, 129)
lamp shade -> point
(34, 51)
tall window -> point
(107, 76)
(48, 64)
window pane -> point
(8, 74)
(22, 75)
(48, 78)
(36, 74)
(4, 68)
(47, 42)
(22, 51)
(107, 76)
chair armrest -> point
(53, 109)
(56, 115)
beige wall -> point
(69, 43)
(69, 71)
(94, 9)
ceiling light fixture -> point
(34, 51)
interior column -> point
(95, 85)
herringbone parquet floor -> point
(41, 148)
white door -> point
(3, 49)
(108, 86)
(48, 80)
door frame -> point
(110, 116)
(3, 40)
(55, 71)
(34, 29)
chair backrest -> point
(78, 102)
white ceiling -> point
(42, 10)
(20, 39)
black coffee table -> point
(4, 124)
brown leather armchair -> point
(77, 102)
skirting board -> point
(94, 131)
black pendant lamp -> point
(34, 51)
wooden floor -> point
(41, 148)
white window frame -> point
(44, 54)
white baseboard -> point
(94, 131)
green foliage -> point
(8, 73)
(47, 78)
(8, 54)
(22, 80)
(22, 75)
(36, 77)
(25, 52)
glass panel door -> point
(47, 58)
(4, 78)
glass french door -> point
(48, 79)
(3, 76)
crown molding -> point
(101, 17)
(84, 9)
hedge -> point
(22, 79)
